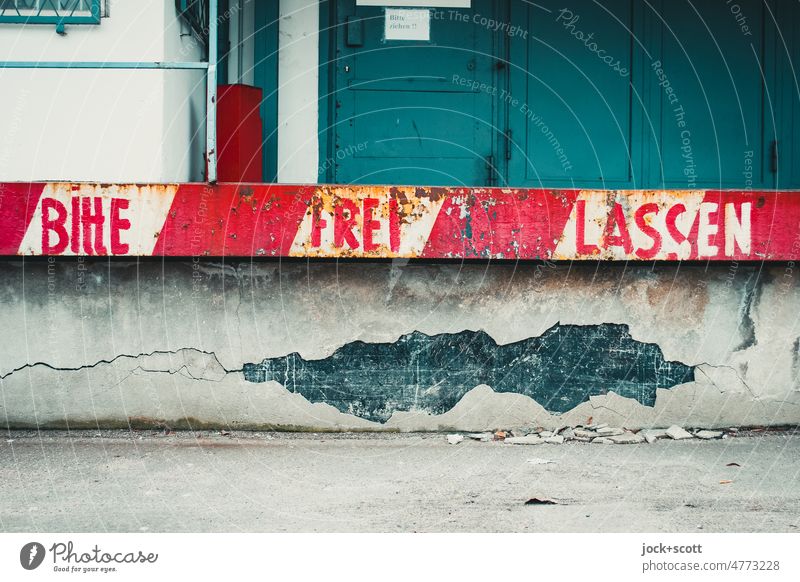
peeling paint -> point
(559, 369)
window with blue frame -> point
(51, 11)
(195, 12)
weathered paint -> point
(93, 342)
(397, 222)
(559, 369)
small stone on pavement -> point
(628, 438)
(677, 433)
(708, 434)
(583, 433)
(531, 439)
(609, 431)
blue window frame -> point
(195, 12)
(50, 11)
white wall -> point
(144, 126)
(242, 30)
(298, 107)
(184, 103)
(99, 125)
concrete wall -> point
(102, 125)
(148, 342)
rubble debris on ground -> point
(597, 433)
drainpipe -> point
(211, 93)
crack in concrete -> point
(132, 356)
(732, 369)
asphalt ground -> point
(120, 481)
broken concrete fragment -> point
(677, 433)
(546, 434)
(555, 440)
(597, 426)
(628, 438)
(603, 441)
(484, 437)
(530, 439)
(651, 435)
(584, 434)
(568, 434)
(708, 434)
(609, 431)
(454, 439)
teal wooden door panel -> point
(414, 129)
(574, 114)
(416, 112)
(713, 121)
(787, 50)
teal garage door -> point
(567, 93)
(413, 96)
(575, 116)
(716, 114)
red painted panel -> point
(385, 222)
(17, 205)
(239, 134)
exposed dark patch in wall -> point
(560, 369)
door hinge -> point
(490, 170)
(774, 157)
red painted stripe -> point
(507, 224)
(17, 204)
(523, 224)
(233, 220)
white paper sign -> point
(407, 24)
(428, 3)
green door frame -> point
(265, 74)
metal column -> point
(211, 92)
